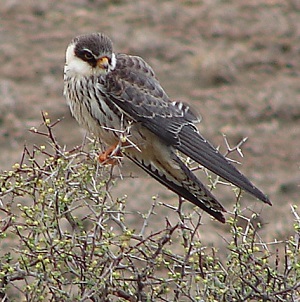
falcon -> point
(118, 98)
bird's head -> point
(90, 54)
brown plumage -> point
(110, 94)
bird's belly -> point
(100, 126)
(146, 148)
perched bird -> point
(118, 98)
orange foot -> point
(108, 156)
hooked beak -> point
(103, 63)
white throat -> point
(75, 66)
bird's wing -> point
(133, 87)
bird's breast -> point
(92, 108)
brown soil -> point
(237, 62)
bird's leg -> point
(109, 156)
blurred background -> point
(237, 62)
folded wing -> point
(133, 88)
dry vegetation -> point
(238, 63)
(70, 240)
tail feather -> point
(191, 188)
(196, 147)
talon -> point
(108, 156)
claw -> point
(108, 157)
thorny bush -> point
(63, 237)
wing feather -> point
(133, 87)
(196, 147)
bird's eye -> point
(88, 55)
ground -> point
(237, 62)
